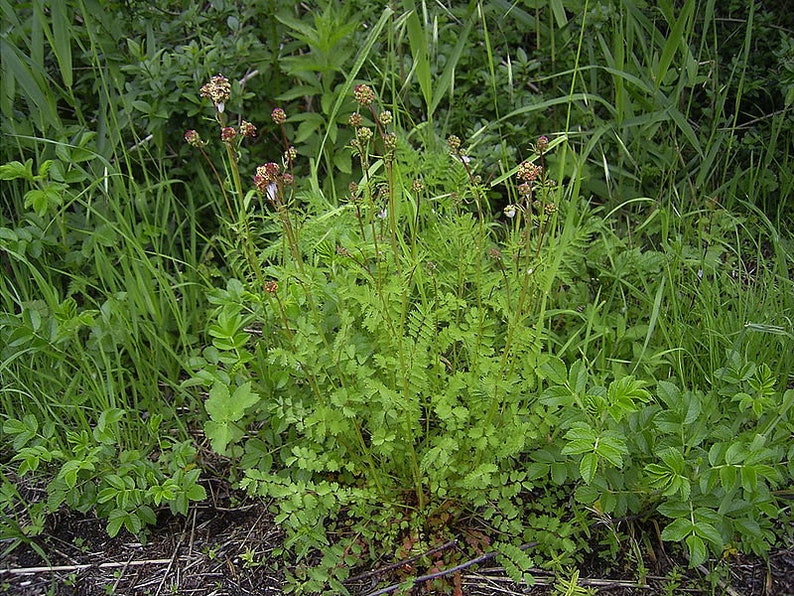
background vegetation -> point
(519, 272)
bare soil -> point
(226, 549)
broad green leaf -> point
(673, 459)
(678, 530)
(728, 477)
(749, 478)
(697, 550)
(694, 407)
(115, 522)
(16, 169)
(196, 492)
(220, 434)
(116, 481)
(133, 523)
(669, 393)
(710, 533)
(675, 509)
(559, 473)
(588, 467)
(223, 407)
(554, 370)
(735, 453)
(580, 440)
(24, 429)
(612, 449)
(577, 377)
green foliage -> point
(454, 341)
(225, 411)
(90, 471)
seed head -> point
(389, 141)
(228, 133)
(266, 177)
(355, 120)
(270, 171)
(528, 172)
(194, 139)
(385, 117)
(271, 287)
(279, 116)
(289, 156)
(417, 185)
(363, 134)
(247, 129)
(363, 94)
(454, 143)
(542, 144)
(217, 90)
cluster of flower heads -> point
(533, 176)
(270, 178)
(218, 90)
(364, 96)
(230, 133)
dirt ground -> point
(223, 550)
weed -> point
(458, 272)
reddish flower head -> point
(194, 139)
(247, 129)
(279, 116)
(528, 171)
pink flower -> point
(247, 129)
(279, 116)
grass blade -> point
(61, 42)
(675, 40)
(445, 80)
(418, 43)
